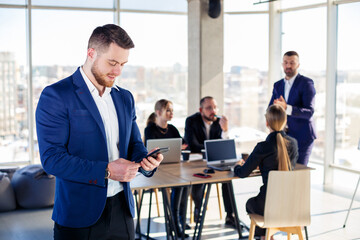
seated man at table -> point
(199, 127)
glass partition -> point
(14, 129)
(75, 3)
(157, 66)
(245, 67)
(59, 47)
(155, 5)
(347, 153)
(308, 38)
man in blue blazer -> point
(296, 94)
(89, 139)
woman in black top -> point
(277, 152)
(158, 127)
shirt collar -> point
(92, 87)
(291, 80)
(207, 124)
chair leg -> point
(219, 202)
(157, 201)
(306, 233)
(252, 230)
(140, 196)
(270, 232)
(299, 232)
(207, 207)
(191, 210)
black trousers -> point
(256, 205)
(197, 195)
(305, 149)
(179, 197)
(115, 222)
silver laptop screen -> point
(174, 144)
(220, 150)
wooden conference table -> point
(181, 174)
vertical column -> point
(117, 12)
(30, 112)
(330, 107)
(205, 56)
(275, 55)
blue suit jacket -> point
(302, 99)
(72, 145)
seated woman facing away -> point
(277, 152)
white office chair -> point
(287, 205)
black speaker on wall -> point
(214, 8)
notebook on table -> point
(220, 154)
(174, 144)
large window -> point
(245, 77)
(59, 46)
(244, 6)
(299, 3)
(75, 3)
(13, 87)
(155, 5)
(157, 65)
(308, 38)
(348, 87)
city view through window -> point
(157, 68)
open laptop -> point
(220, 154)
(174, 144)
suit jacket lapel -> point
(85, 96)
(120, 111)
(202, 126)
(281, 89)
(294, 89)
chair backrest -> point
(287, 201)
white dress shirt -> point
(109, 118)
(224, 135)
(287, 88)
(207, 129)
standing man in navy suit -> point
(296, 94)
(89, 139)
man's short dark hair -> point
(291, 53)
(204, 99)
(103, 36)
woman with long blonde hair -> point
(277, 152)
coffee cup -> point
(244, 156)
(203, 151)
(185, 154)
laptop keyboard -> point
(222, 167)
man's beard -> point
(290, 73)
(100, 78)
(211, 119)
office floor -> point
(328, 210)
